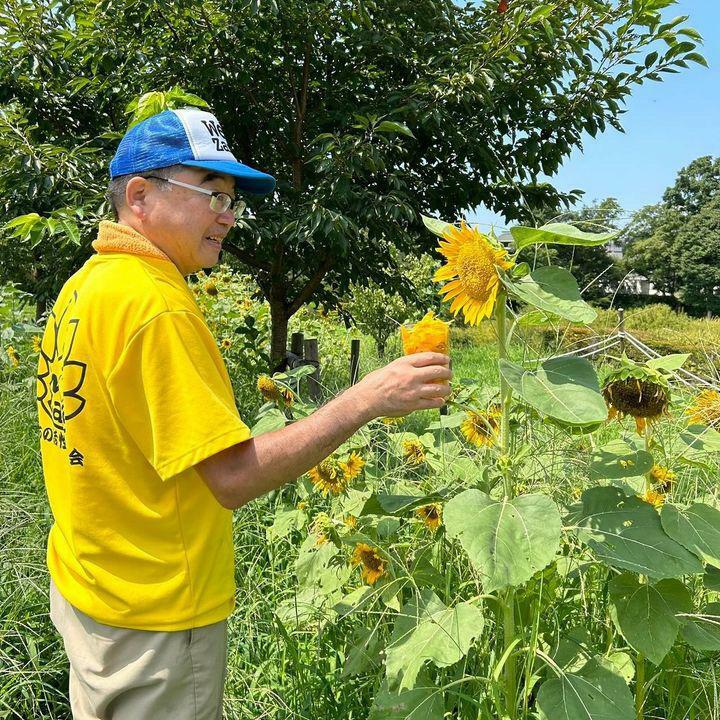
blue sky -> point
(667, 125)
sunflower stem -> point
(505, 394)
(509, 627)
(648, 474)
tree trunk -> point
(279, 333)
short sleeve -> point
(172, 393)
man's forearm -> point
(270, 460)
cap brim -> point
(246, 178)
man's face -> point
(180, 221)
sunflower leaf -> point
(553, 290)
(646, 614)
(435, 226)
(703, 630)
(593, 693)
(507, 541)
(558, 234)
(563, 388)
(625, 532)
(423, 702)
(618, 460)
(697, 528)
(428, 630)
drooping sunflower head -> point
(327, 477)
(481, 428)
(431, 515)
(269, 389)
(352, 467)
(638, 391)
(705, 408)
(426, 335)
(413, 452)
(472, 266)
(372, 562)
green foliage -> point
(439, 107)
(507, 541)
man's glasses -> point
(220, 202)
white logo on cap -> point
(205, 135)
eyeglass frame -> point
(237, 205)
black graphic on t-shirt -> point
(60, 376)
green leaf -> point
(394, 127)
(364, 656)
(286, 520)
(424, 702)
(697, 528)
(703, 631)
(618, 460)
(646, 614)
(668, 362)
(272, 420)
(507, 541)
(625, 532)
(558, 234)
(313, 560)
(428, 630)
(593, 693)
(711, 578)
(435, 226)
(553, 290)
(565, 389)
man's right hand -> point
(413, 382)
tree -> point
(697, 248)
(657, 241)
(367, 112)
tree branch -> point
(244, 257)
(312, 285)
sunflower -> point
(327, 477)
(352, 467)
(350, 521)
(12, 356)
(373, 564)
(472, 266)
(391, 420)
(662, 474)
(210, 288)
(481, 428)
(656, 499)
(431, 515)
(705, 409)
(426, 335)
(226, 343)
(413, 452)
(272, 392)
(638, 391)
(36, 343)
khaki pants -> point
(121, 674)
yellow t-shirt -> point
(132, 394)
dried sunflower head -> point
(638, 391)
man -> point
(144, 452)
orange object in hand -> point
(426, 335)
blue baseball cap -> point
(187, 136)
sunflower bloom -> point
(426, 335)
(481, 428)
(352, 467)
(226, 343)
(269, 389)
(705, 409)
(656, 499)
(210, 288)
(36, 343)
(373, 564)
(413, 452)
(472, 269)
(431, 515)
(327, 477)
(662, 474)
(12, 356)
(350, 521)
(391, 420)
